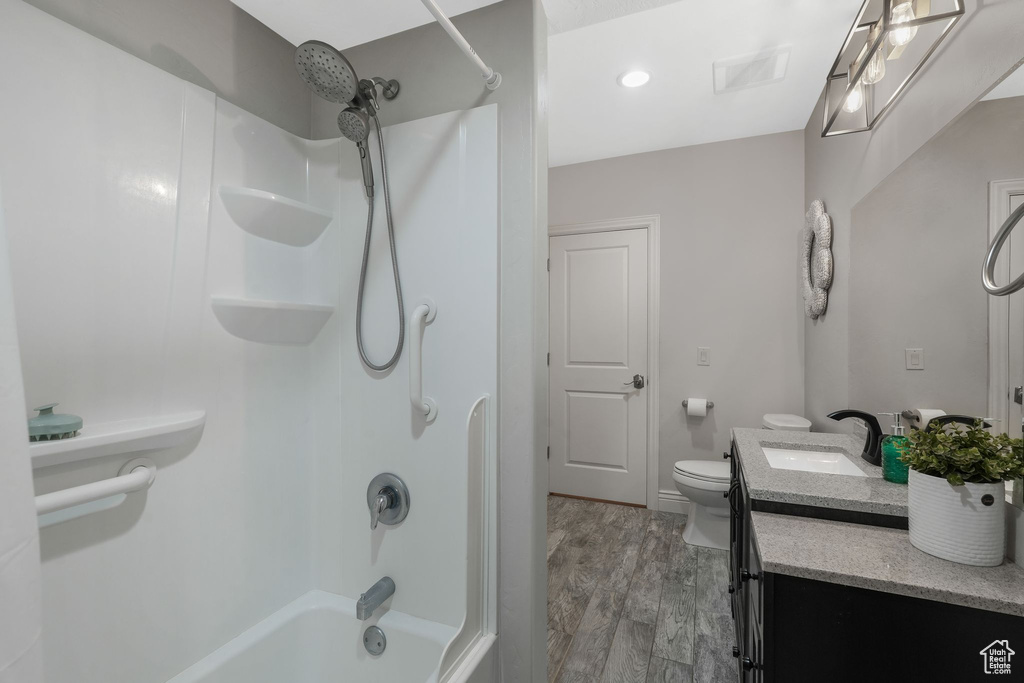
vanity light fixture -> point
(854, 100)
(882, 54)
(634, 79)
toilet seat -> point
(702, 474)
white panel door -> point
(598, 337)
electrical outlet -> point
(703, 355)
(915, 359)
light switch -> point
(915, 359)
(703, 355)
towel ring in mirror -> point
(816, 259)
(988, 273)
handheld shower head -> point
(354, 124)
(326, 72)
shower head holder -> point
(388, 88)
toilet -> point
(705, 482)
(786, 422)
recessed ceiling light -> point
(634, 79)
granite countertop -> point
(881, 559)
(870, 494)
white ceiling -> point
(592, 117)
(567, 15)
(344, 23)
(1012, 86)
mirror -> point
(923, 333)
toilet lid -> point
(709, 470)
(785, 421)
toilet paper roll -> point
(923, 415)
(696, 407)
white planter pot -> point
(954, 523)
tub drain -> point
(374, 640)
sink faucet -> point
(873, 446)
(373, 598)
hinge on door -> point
(549, 265)
(549, 452)
(549, 358)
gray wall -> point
(842, 170)
(436, 77)
(731, 213)
(210, 43)
(916, 248)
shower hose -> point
(394, 264)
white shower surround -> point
(116, 224)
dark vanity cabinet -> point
(797, 630)
(745, 581)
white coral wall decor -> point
(816, 261)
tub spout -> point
(373, 598)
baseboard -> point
(673, 501)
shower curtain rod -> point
(491, 77)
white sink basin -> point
(812, 461)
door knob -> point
(637, 382)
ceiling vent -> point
(751, 71)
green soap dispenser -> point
(893, 469)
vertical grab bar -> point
(424, 313)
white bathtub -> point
(317, 639)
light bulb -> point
(901, 14)
(875, 70)
(855, 100)
(634, 79)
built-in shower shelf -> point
(123, 436)
(274, 217)
(271, 322)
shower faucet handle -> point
(387, 497)
(384, 500)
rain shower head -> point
(354, 124)
(326, 72)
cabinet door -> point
(751, 669)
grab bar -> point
(424, 313)
(988, 272)
(136, 475)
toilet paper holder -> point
(711, 404)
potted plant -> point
(957, 491)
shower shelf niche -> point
(271, 322)
(123, 436)
(273, 217)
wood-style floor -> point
(630, 602)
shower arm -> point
(492, 79)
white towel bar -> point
(424, 313)
(136, 475)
